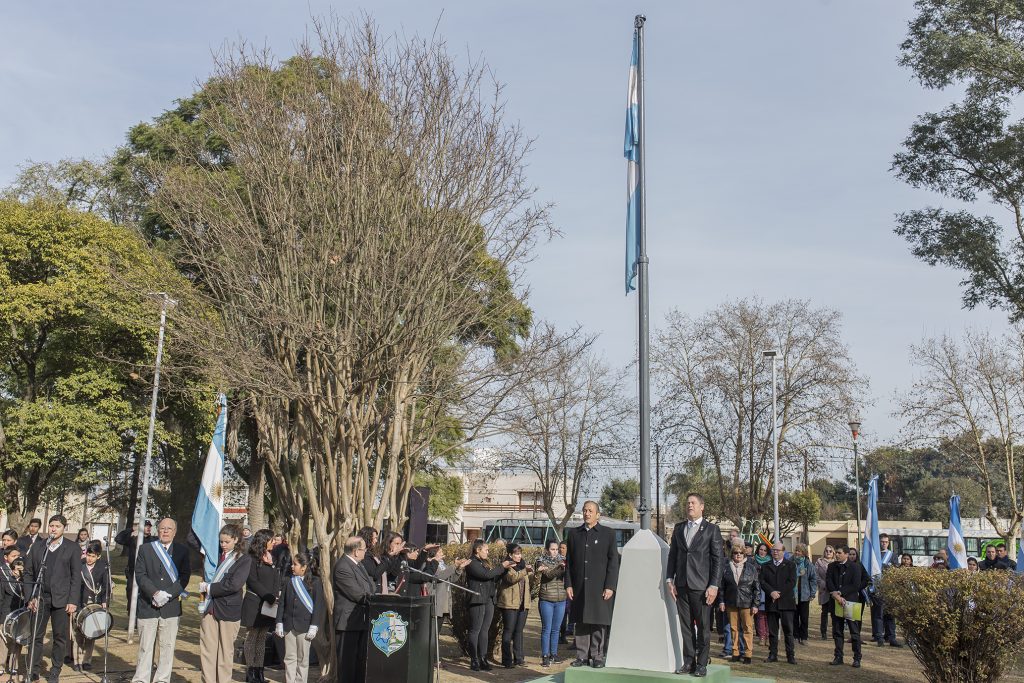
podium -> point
(399, 646)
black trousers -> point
(837, 636)
(695, 616)
(513, 622)
(480, 617)
(800, 625)
(883, 624)
(826, 615)
(785, 618)
(58, 618)
(351, 656)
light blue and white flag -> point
(1020, 552)
(955, 547)
(632, 153)
(871, 554)
(209, 510)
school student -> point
(300, 615)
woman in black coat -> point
(483, 580)
(263, 587)
(372, 563)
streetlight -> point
(855, 431)
(775, 446)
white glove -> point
(279, 630)
(311, 633)
(160, 598)
(204, 587)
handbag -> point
(269, 610)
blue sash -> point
(302, 594)
(221, 570)
(165, 559)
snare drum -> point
(93, 622)
(17, 626)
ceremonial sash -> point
(165, 559)
(218, 575)
(302, 594)
(886, 557)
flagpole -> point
(643, 291)
(166, 302)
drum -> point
(17, 626)
(93, 622)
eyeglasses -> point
(738, 554)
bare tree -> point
(570, 416)
(358, 261)
(715, 405)
(971, 397)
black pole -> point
(645, 378)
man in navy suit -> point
(694, 570)
(162, 573)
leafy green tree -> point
(618, 498)
(445, 494)
(76, 334)
(970, 150)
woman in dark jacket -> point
(483, 580)
(372, 563)
(263, 587)
(740, 596)
(222, 607)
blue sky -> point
(770, 130)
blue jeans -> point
(551, 614)
(727, 648)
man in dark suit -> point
(694, 570)
(26, 542)
(53, 575)
(128, 539)
(591, 577)
(352, 590)
(778, 581)
(883, 624)
(845, 580)
(162, 573)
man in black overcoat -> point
(591, 577)
(694, 570)
(778, 581)
(845, 580)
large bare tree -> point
(970, 397)
(359, 233)
(571, 416)
(715, 388)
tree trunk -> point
(257, 492)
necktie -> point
(691, 527)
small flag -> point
(871, 555)
(955, 544)
(209, 510)
(632, 153)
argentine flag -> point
(871, 557)
(1020, 553)
(955, 547)
(632, 154)
(209, 510)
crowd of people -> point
(740, 591)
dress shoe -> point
(520, 662)
(734, 658)
(597, 664)
(474, 665)
(837, 661)
(485, 666)
(87, 667)
(879, 643)
(578, 662)
(746, 660)
(856, 664)
(509, 665)
(791, 660)
(701, 672)
(772, 658)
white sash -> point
(165, 559)
(302, 594)
(218, 575)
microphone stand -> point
(433, 616)
(36, 591)
(110, 615)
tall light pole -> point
(855, 431)
(775, 444)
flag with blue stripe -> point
(632, 153)
(955, 547)
(1020, 553)
(209, 510)
(871, 555)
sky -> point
(770, 131)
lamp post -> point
(855, 431)
(775, 445)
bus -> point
(537, 532)
(922, 544)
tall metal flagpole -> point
(644, 299)
(166, 302)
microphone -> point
(404, 566)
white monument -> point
(645, 626)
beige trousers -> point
(216, 649)
(161, 633)
(296, 657)
(741, 622)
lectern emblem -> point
(389, 632)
